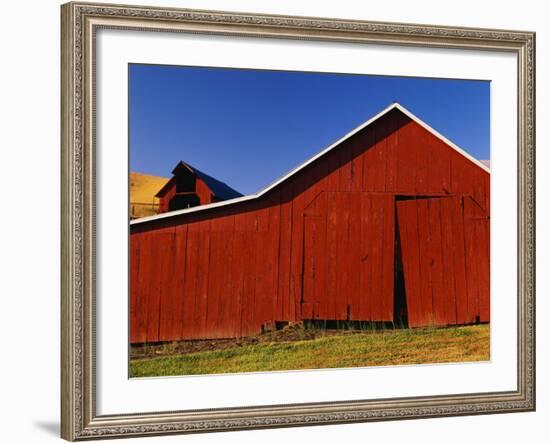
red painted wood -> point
(408, 155)
(439, 258)
(169, 190)
(356, 146)
(248, 222)
(407, 220)
(365, 261)
(392, 143)
(387, 206)
(472, 264)
(238, 269)
(459, 259)
(169, 301)
(191, 308)
(226, 317)
(261, 299)
(346, 173)
(204, 193)
(134, 241)
(285, 241)
(202, 300)
(348, 244)
(476, 229)
(166, 195)
(484, 263)
(439, 295)
(315, 258)
(354, 255)
(450, 244)
(342, 210)
(369, 161)
(331, 292)
(154, 287)
(321, 245)
(426, 260)
(296, 257)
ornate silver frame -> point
(79, 420)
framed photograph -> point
(277, 221)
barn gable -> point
(336, 239)
(374, 124)
(190, 187)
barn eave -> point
(303, 165)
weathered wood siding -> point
(320, 245)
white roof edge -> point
(442, 137)
(312, 159)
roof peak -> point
(386, 110)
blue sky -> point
(249, 127)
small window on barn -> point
(185, 182)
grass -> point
(143, 188)
(355, 349)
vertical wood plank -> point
(388, 251)
(356, 148)
(407, 220)
(472, 261)
(392, 143)
(366, 239)
(332, 262)
(261, 301)
(439, 295)
(376, 233)
(342, 207)
(180, 253)
(345, 178)
(285, 239)
(459, 257)
(408, 151)
(297, 246)
(315, 256)
(239, 269)
(449, 246)
(485, 257)
(203, 301)
(248, 325)
(369, 162)
(168, 299)
(134, 289)
(153, 309)
(227, 296)
(354, 296)
(192, 310)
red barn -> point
(190, 187)
(390, 221)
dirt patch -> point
(290, 333)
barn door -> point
(348, 257)
(431, 234)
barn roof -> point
(312, 159)
(218, 188)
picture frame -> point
(80, 23)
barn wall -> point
(203, 191)
(164, 199)
(201, 188)
(226, 272)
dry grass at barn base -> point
(343, 349)
(143, 188)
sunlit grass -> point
(372, 348)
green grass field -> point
(348, 349)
